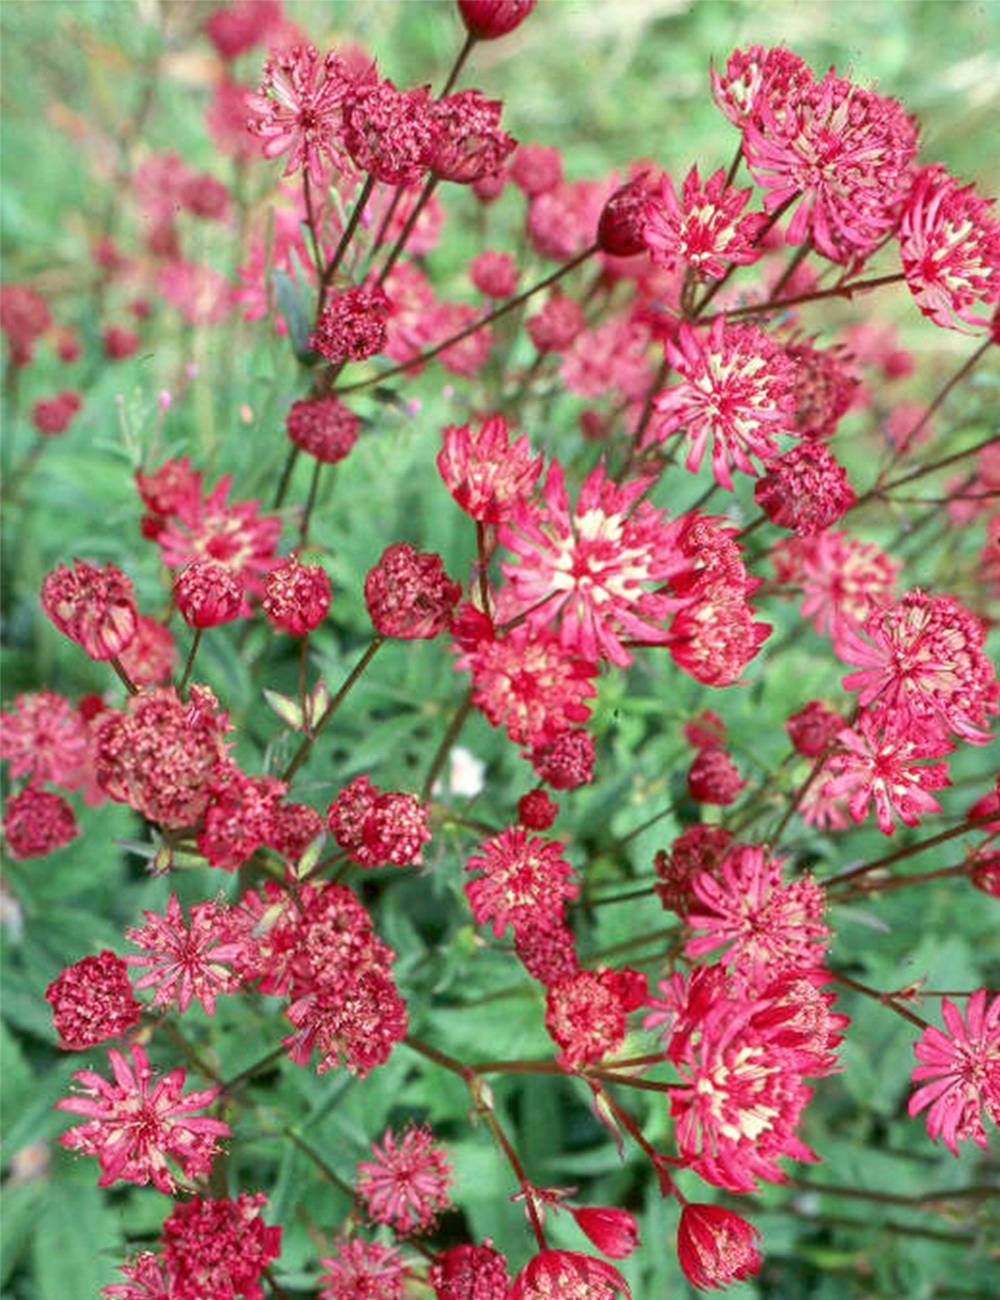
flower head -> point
(806, 489)
(389, 133)
(363, 1270)
(949, 242)
(470, 1273)
(93, 607)
(736, 392)
(568, 1275)
(297, 596)
(408, 593)
(322, 427)
(959, 1074)
(487, 20)
(486, 473)
(208, 593)
(218, 1249)
(133, 1124)
(468, 142)
(43, 738)
(352, 325)
(406, 1184)
(187, 960)
(92, 1000)
(716, 1247)
(524, 880)
(585, 1012)
(704, 229)
(378, 829)
(37, 822)
(297, 109)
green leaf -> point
(78, 1241)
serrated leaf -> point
(287, 709)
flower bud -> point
(297, 596)
(716, 1247)
(488, 19)
(620, 229)
(93, 607)
(207, 593)
(615, 1233)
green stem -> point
(190, 661)
(305, 749)
(447, 740)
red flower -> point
(37, 822)
(93, 607)
(406, 1185)
(363, 1269)
(377, 829)
(468, 142)
(713, 778)
(704, 229)
(949, 243)
(409, 595)
(716, 1247)
(486, 473)
(960, 1074)
(806, 489)
(297, 596)
(218, 1249)
(567, 761)
(486, 20)
(231, 533)
(322, 427)
(615, 1233)
(698, 849)
(570, 1276)
(470, 1273)
(133, 1124)
(536, 811)
(590, 570)
(389, 133)
(207, 594)
(736, 391)
(92, 1000)
(585, 1012)
(353, 325)
(524, 880)
(813, 728)
(43, 738)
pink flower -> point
(714, 778)
(207, 594)
(43, 738)
(353, 324)
(37, 822)
(363, 1269)
(842, 578)
(378, 829)
(297, 109)
(704, 229)
(406, 1185)
(736, 1114)
(186, 961)
(754, 78)
(768, 928)
(322, 427)
(806, 489)
(470, 1273)
(389, 133)
(297, 596)
(408, 593)
(486, 473)
(960, 1074)
(468, 142)
(590, 570)
(585, 1012)
(845, 153)
(736, 391)
(133, 1124)
(231, 533)
(887, 764)
(716, 1247)
(524, 880)
(949, 243)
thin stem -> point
(397, 249)
(230, 1085)
(510, 305)
(451, 1063)
(447, 740)
(310, 503)
(305, 749)
(457, 66)
(969, 824)
(886, 999)
(896, 1198)
(898, 882)
(794, 262)
(838, 291)
(190, 661)
(345, 238)
(123, 676)
(659, 1162)
(286, 475)
(311, 223)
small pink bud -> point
(208, 593)
(716, 1247)
(615, 1233)
(489, 19)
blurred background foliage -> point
(91, 87)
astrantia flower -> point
(845, 153)
(92, 1000)
(151, 656)
(230, 532)
(494, 274)
(736, 1114)
(133, 1124)
(219, 1249)
(755, 77)
(768, 928)
(524, 880)
(408, 593)
(389, 133)
(352, 325)
(949, 243)
(239, 817)
(186, 961)
(736, 391)
(698, 849)
(529, 684)
(568, 1275)
(842, 577)
(363, 1270)
(923, 661)
(887, 764)
(714, 778)
(37, 822)
(825, 382)
(614, 1232)
(536, 168)
(806, 489)
(567, 761)
(468, 142)
(716, 1247)
(297, 596)
(470, 1273)
(590, 569)
(705, 228)
(322, 427)
(92, 606)
(558, 323)
(610, 357)
(146, 1279)
(960, 1075)
(378, 829)
(297, 109)
(585, 1012)
(43, 738)
(406, 1185)
(484, 471)
(208, 594)
(812, 729)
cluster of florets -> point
(322, 427)
(93, 607)
(92, 1001)
(405, 1184)
(378, 829)
(318, 946)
